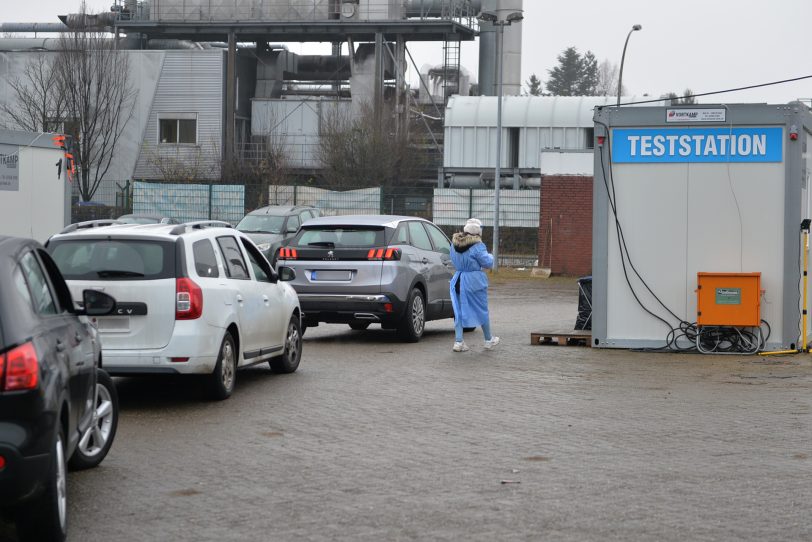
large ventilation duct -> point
(436, 8)
(511, 54)
(88, 21)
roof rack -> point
(199, 225)
(91, 224)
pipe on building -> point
(171, 45)
(53, 44)
(50, 28)
(29, 44)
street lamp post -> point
(515, 17)
(635, 28)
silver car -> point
(362, 270)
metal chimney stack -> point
(511, 56)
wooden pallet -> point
(571, 338)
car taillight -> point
(286, 253)
(188, 299)
(21, 368)
(388, 254)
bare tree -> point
(177, 164)
(94, 79)
(38, 102)
(607, 78)
(360, 152)
(673, 98)
(263, 167)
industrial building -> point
(215, 82)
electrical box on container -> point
(728, 299)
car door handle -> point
(60, 346)
(425, 260)
(239, 298)
(265, 299)
(78, 337)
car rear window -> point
(119, 259)
(341, 237)
(261, 224)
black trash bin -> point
(584, 320)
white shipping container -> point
(34, 194)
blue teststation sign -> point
(697, 145)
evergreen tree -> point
(589, 81)
(533, 85)
(564, 78)
(575, 75)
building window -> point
(589, 138)
(174, 130)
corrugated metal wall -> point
(191, 82)
(233, 10)
(297, 123)
(475, 147)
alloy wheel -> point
(292, 343)
(227, 368)
(98, 433)
(418, 315)
(61, 484)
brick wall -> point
(565, 225)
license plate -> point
(113, 324)
(331, 275)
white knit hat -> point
(473, 227)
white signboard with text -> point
(10, 168)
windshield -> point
(341, 237)
(124, 259)
(261, 224)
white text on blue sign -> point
(675, 145)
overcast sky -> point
(706, 45)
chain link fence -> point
(448, 208)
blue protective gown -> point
(470, 258)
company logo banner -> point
(697, 145)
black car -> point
(57, 407)
(271, 227)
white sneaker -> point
(490, 344)
(460, 347)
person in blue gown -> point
(469, 285)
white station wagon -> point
(194, 298)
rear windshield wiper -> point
(107, 273)
(326, 244)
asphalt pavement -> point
(375, 440)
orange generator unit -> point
(728, 299)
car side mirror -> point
(286, 274)
(97, 303)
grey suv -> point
(271, 226)
(359, 270)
